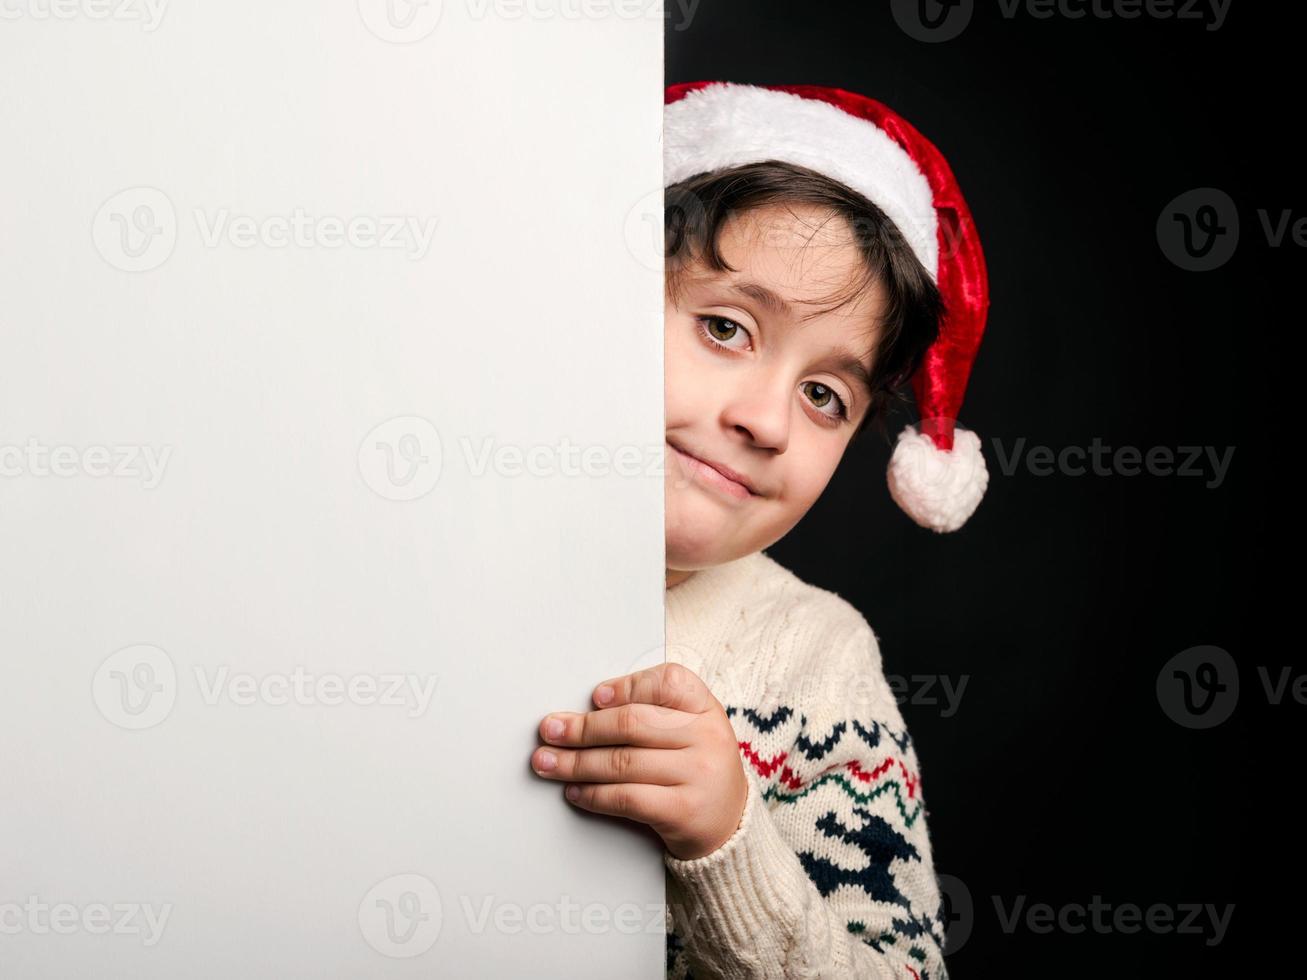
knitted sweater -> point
(829, 873)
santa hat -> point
(937, 473)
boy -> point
(819, 256)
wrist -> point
(695, 851)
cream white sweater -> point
(829, 874)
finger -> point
(667, 685)
(634, 801)
(610, 764)
(644, 725)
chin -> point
(694, 539)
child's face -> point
(758, 390)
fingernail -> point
(548, 761)
(553, 728)
(572, 792)
(604, 694)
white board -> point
(330, 426)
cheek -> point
(809, 469)
(681, 369)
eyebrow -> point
(774, 303)
(845, 359)
(771, 301)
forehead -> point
(806, 256)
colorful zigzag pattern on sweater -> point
(866, 763)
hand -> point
(660, 750)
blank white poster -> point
(330, 463)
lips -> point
(741, 484)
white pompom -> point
(939, 490)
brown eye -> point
(721, 331)
(821, 396)
(717, 325)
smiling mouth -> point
(709, 475)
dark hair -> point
(695, 209)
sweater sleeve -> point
(830, 872)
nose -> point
(760, 409)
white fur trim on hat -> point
(728, 124)
(939, 490)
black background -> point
(1060, 777)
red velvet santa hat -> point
(937, 473)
